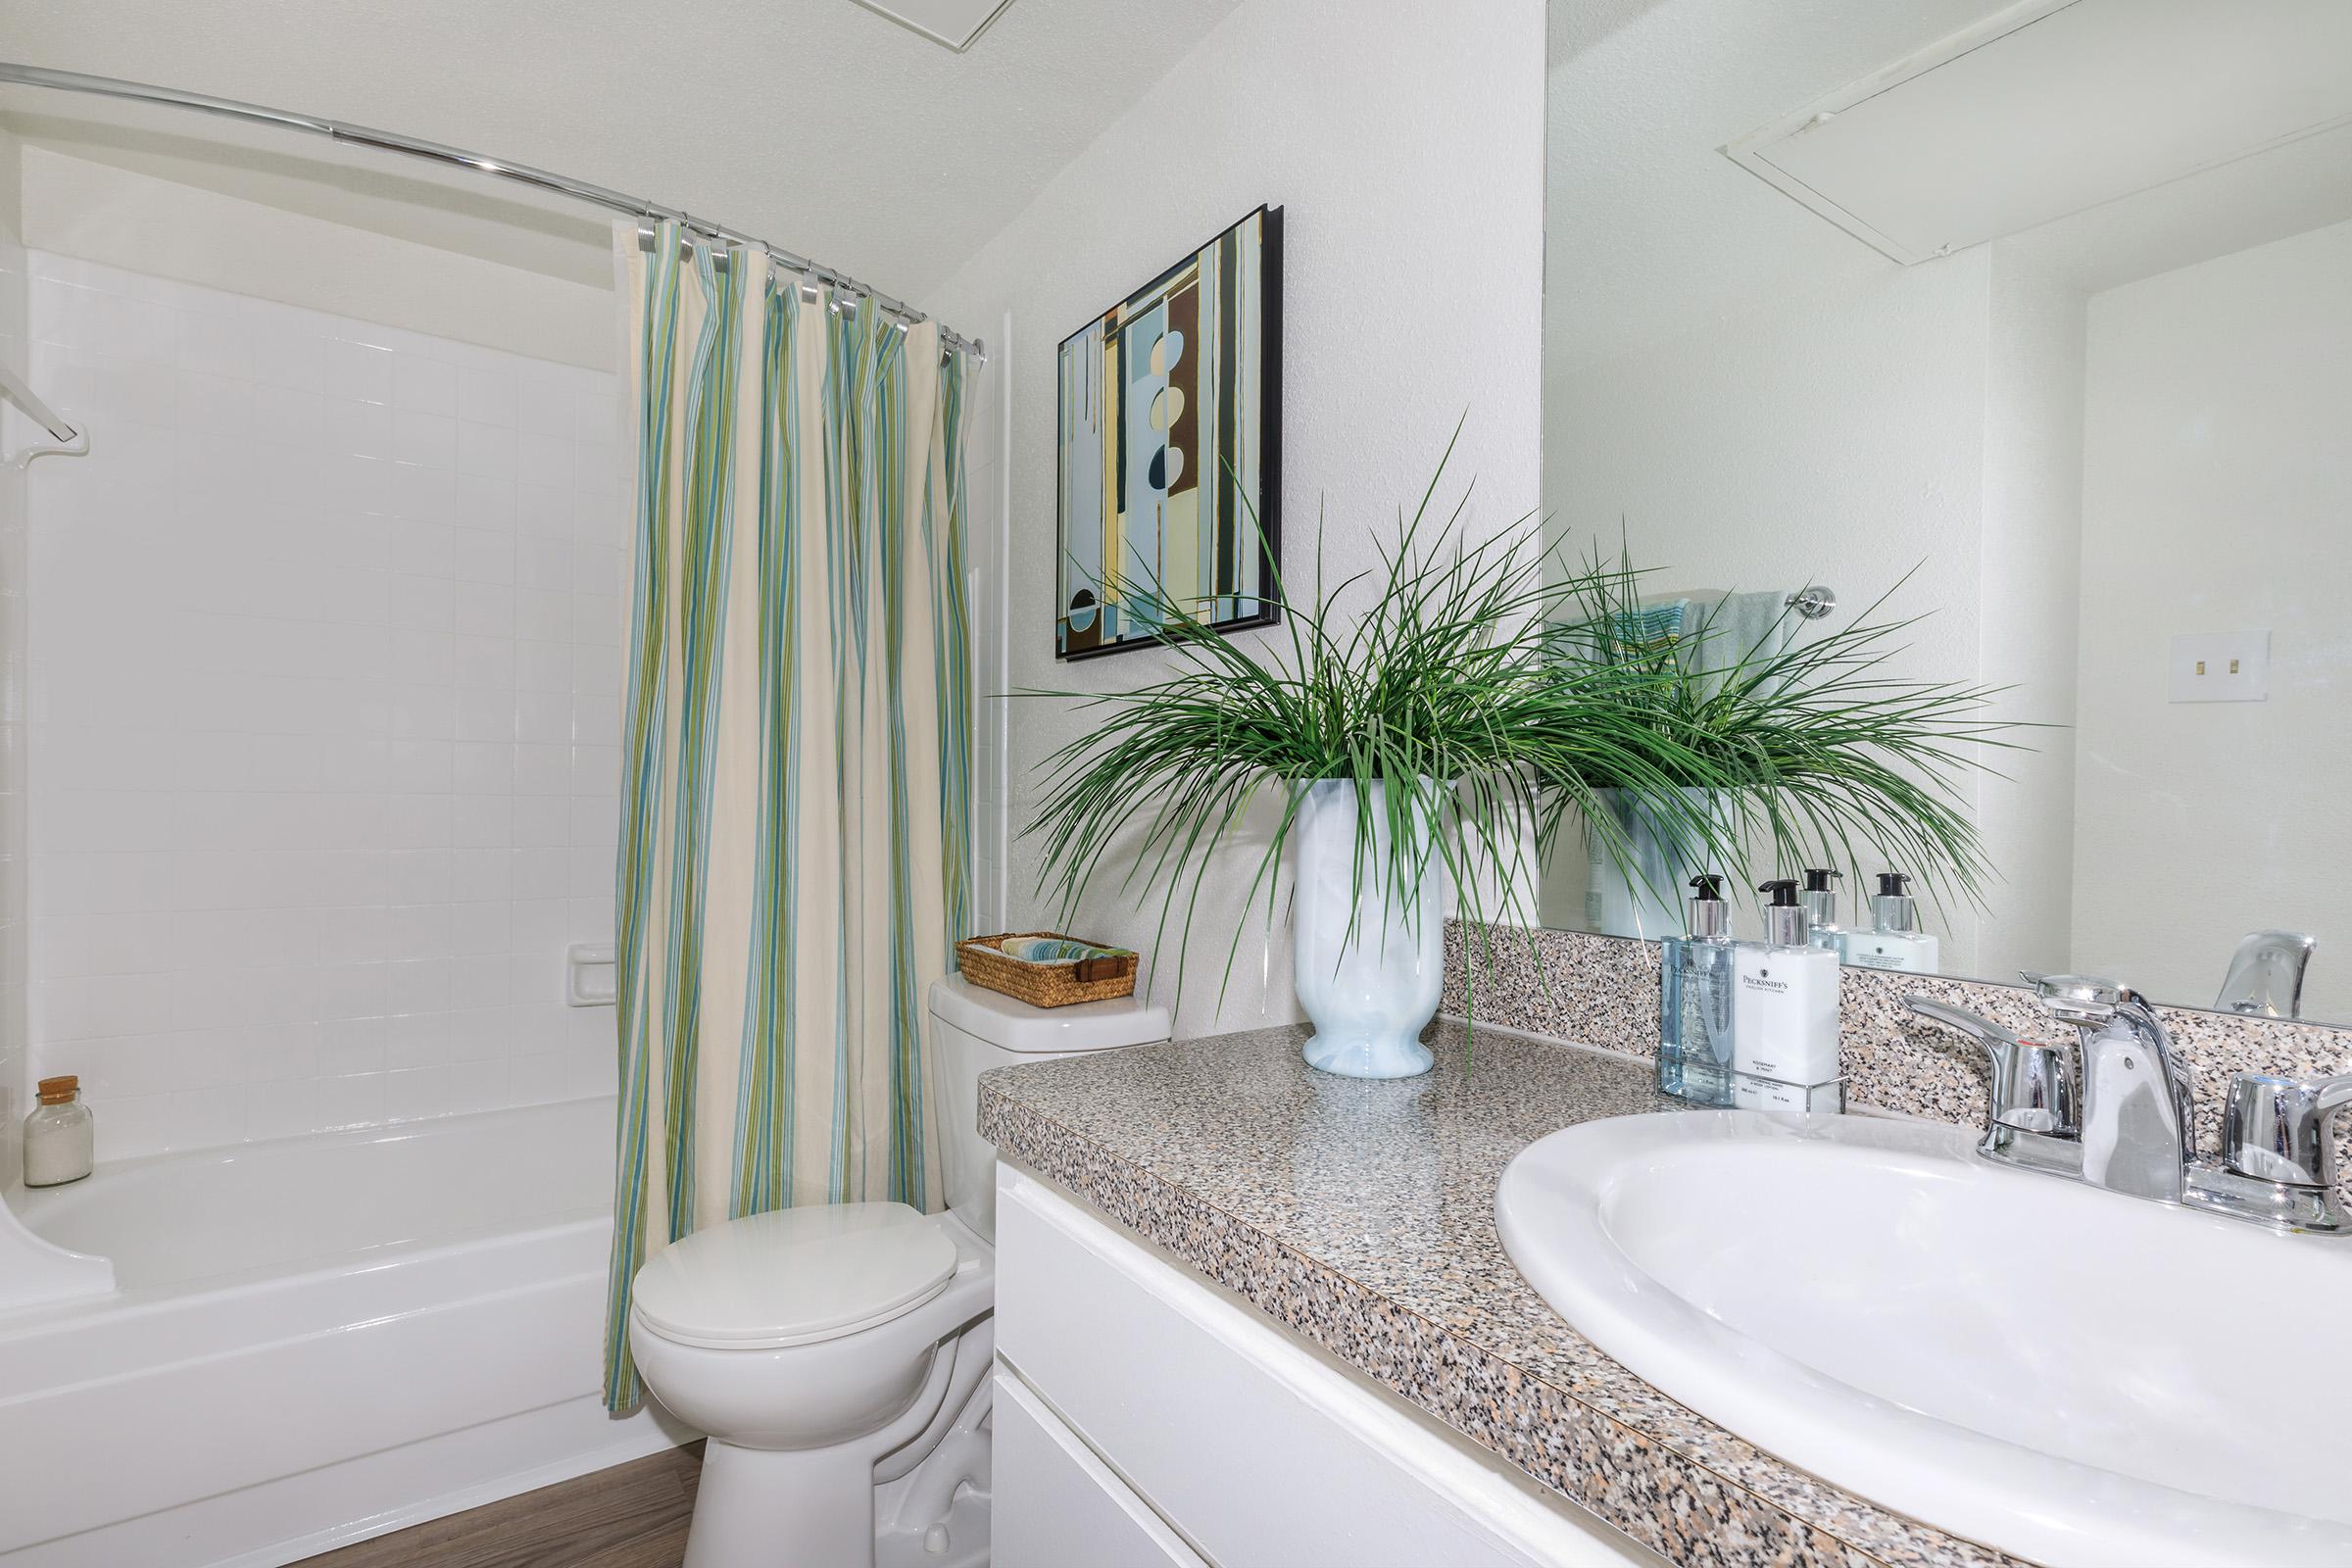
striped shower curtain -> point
(796, 752)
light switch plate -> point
(2221, 666)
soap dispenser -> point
(1820, 900)
(1785, 1013)
(1895, 941)
(1695, 1015)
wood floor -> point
(631, 1516)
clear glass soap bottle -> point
(58, 1142)
(1695, 1015)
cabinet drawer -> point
(1262, 1454)
(1060, 1506)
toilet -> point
(836, 1356)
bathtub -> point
(313, 1340)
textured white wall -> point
(1405, 149)
(98, 213)
(2215, 498)
(1838, 442)
(2032, 553)
(14, 430)
(988, 476)
(325, 715)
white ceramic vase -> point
(1652, 905)
(1371, 960)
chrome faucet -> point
(2139, 1128)
(2265, 974)
(2135, 1132)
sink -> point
(2065, 1374)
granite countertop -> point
(1361, 1216)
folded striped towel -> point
(1057, 950)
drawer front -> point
(1057, 1505)
(1261, 1452)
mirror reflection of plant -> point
(1427, 676)
(1813, 748)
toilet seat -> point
(794, 1276)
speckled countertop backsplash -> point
(1360, 1215)
(1603, 991)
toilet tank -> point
(974, 1029)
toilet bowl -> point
(830, 1351)
(808, 1343)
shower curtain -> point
(796, 752)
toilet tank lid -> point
(1010, 1024)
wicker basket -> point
(1045, 985)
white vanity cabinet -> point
(1145, 1418)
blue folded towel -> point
(1057, 949)
(1650, 623)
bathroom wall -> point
(987, 477)
(1405, 148)
(2218, 398)
(15, 431)
(1836, 440)
(2030, 561)
(325, 692)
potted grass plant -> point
(1442, 719)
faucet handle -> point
(2276, 1129)
(2078, 998)
(2033, 1084)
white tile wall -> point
(326, 707)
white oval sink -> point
(2058, 1372)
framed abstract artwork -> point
(1168, 451)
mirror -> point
(2030, 322)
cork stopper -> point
(58, 1091)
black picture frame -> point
(1269, 439)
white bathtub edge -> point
(650, 1431)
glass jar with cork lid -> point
(58, 1142)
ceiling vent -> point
(2054, 106)
(954, 23)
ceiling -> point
(2056, 107)
(1649, 229)
(816, 124)
(1651, 233)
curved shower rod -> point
(459, 157)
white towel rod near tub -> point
(72, 442)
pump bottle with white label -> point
(1783, 1010)
(1894, 941)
